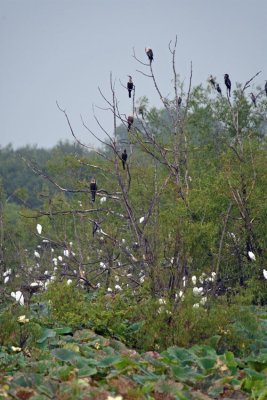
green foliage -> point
(154, 324)
(66, 305)
(86, 364)
(16, 334)
(201, 191)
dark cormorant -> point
(130, 121)
(130, 85)
(149, 53)
(253, 98)
(227, 83)
(93, 188)
(219, 90)
(124, 157)
(212, 81)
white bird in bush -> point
(19, 297)
(202, 277)
(142, 279)
(251, 256)
(203, 301)
(37, 255)
(265, 273)
(34, 284)
(213, 276)
(141, 220)
(6, 279)
(194, 279)
(103, 199)
(197, 290)
(39, 228)
(66, 253)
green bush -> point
(14, 333)
(147, 323)
(67, 305)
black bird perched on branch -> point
(265, 88)
(124, 157)
(179, 101)
(253, 98)
(149, 53)
(227, 83)
(130, 85)
(130, 121)
(93, 188)
(219, 90)
(212, 81)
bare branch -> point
(247, 84)
(141, 62)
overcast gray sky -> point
(64, 49)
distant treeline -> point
(20, 183)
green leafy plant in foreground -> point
(216, 350)
(81, 363)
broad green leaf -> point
(214, 341)
(179, 354)
(203, 351)
(109, 361)
(125, 362)
(47, 333)
(143, 379)
(86, 371)
(79, 362)
(216, 390)
(108, 350)
(186, 374)
(251, 373)
(48, 388)
(63, 331)
(64, 354)
(29, 380)
(206, 363)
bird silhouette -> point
(149, 53)
(212, 81)
(130, 85)
(219, 90)
(253, 98)
(227, 84)
(130, 121)
(124, 157)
